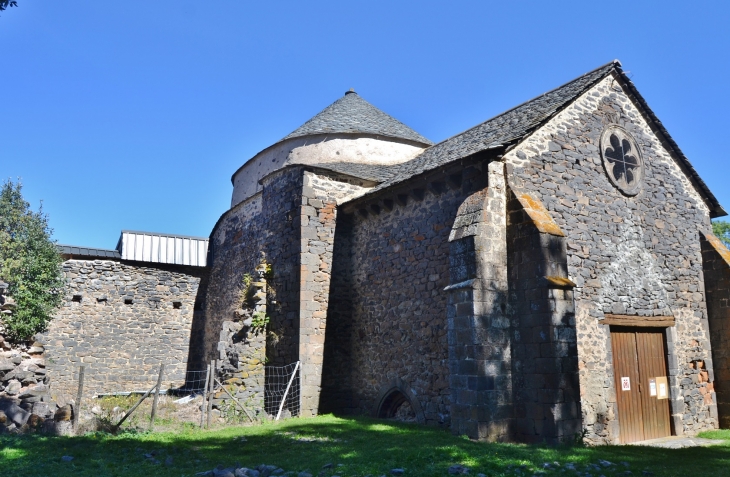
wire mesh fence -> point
(194, 383)
(282, 391)
(193, 399)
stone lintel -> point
(635, 320)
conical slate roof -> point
(352, 115)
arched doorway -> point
(397, 403)
(397, 406)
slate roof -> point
(498, 131)
(88, 252)
(371, 172)
(518, 122)
(352, 115)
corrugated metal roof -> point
(163, 248)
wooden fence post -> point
(210, 391)
(116, 427)
(77, 410)
(157, 395)
(203, 406)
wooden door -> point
(639, 356)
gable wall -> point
(627, 255)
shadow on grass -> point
(356, 447)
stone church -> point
(546, 273)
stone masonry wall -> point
(318, 219)
(388, 325)
(627, 255)
(235, 250)
(121, 320)
(480, 355)
(266, 227)
(544, 346)
(716, 265)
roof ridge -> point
(500, 128)
(610, 63)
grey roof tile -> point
(352, 115)
(506, 127)
(521, 120)
(370, 172)
(86, 252)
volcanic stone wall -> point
(387, 324)
(627, 255)
(544, 346)
(121, 320)
(716, 264)
(480, 352)
(321, 194)
(290, 227)
(261, 229)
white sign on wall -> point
(625, 384)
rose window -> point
(622, 160)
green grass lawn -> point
(357, 448)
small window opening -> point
(128, 301)
(177, 305)
(77, 298)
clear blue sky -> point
(134, 115)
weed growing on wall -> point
(29, 262)
(259, 322)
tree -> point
(7, 4)
(29, 262)
(721, 229)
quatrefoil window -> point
(622, 160)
